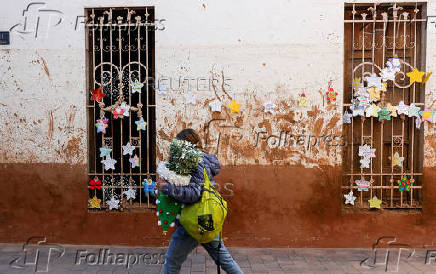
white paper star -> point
(396, 62)
(358, 110)
(130, 193)
(215, 105)
(269, 107)
(397, 160)
(414, 111)
(113, 203)
(109, 163)
(372, 110)
(128, 149)
(364, 162)
(126, 108)
(403, 109)
(136, 86)
(374, 81)
(349, 198)
(347, 117)
(418, 123)
(190, 98)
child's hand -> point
(161, 183)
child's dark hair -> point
(191, 136)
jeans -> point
(182, 244)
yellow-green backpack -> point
(204, 220)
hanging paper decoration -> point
(405, 184)
(392, 109)
(102, 124)
(426, 77)
(167, 210)
(190, 98)
(269, 107)
(347, 117)
(397, 160)
(136, 86)
(109, 163)
(415, 76)
(350, 198)
(94, 202)
(372, 111)
(357, 109)
(234, 107)
(384, 114)
(149, 187)
(426, 115)
(357, 83)
(141, 124)
(118, 113)
(331, 94)
(113, 203)
(130, 193)
(215, 105)
(126, 109)
(414, 111)
(95, 183)
(392, 67)
(366, 152)
(134, 161)
(374, 81)
(418, 123)
(374, 94)
(374, 202)
(105, 151)
(97, 95)
(403, 109)
(128, 149)
(302, 100)
(362, 184)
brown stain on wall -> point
(44, 66)
(50, 124)
(271, 206)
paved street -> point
(111, 259)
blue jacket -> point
(192, 193)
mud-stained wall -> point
(281, 172)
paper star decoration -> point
(302, 100)
(349, 198)
(347, 117)
(109, 163)
(405, 184)
(269, 107)
(426, 77)
(403, 109)
(366, 151)
(361, 92)
(362, 184)
(384, 114)
(95, 183)
(102, 124)
(94, 202)
(388, 73)
(118, 113)
(374, 202)
(372, 110)
(113, 203)
(357, 109)
(126, 108)
(397, 160)
(130, 193)
(149, 186)
(215, 105)
(128, 149)
(97, 95)
(418, 123)
(414, 111)
(433, 119)
(365, 162)
(134, 161)
(331, 94)
(426, 115)
(357, 83)
(136, 86)
(395, 61)
(140, 124)
(374, 81)
(190, 98)
(374, 94)
(415, 76)
(234, 107)
(392, 109)
(105, 151)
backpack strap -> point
(218, 264)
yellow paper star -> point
(415, 76)
(356, 83)
(302, 101)
(426, 114)
(426, 77)
(374, 202)
(392, 109)
(397, 160)
(384, 88)
(234, 107)
(94, 202)
(374, 93)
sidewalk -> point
(112, 259)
